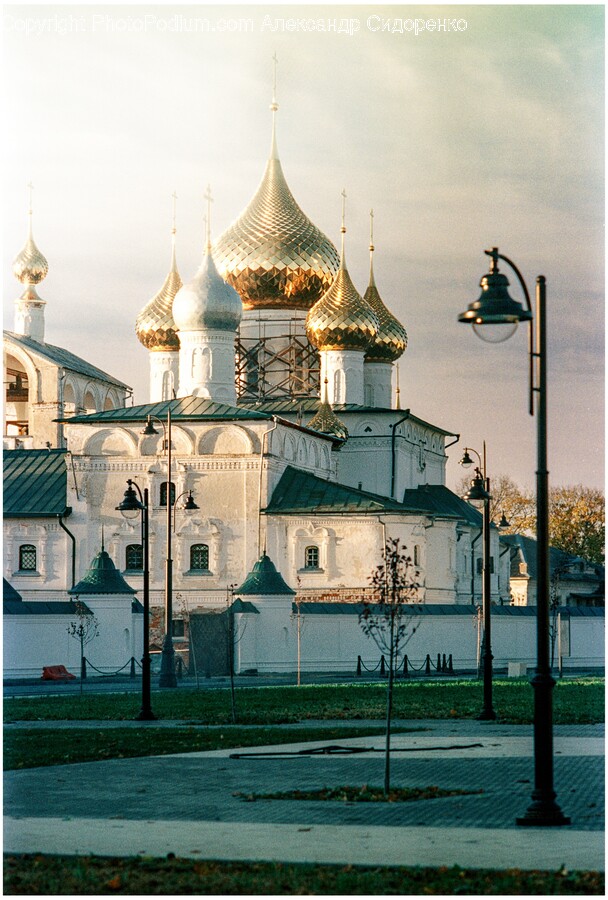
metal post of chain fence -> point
(444, 664)
(427, 670)
(405, 670)
(438, 666)
(382, 665)
(132, 670)
(83, 667)
(450, 665)
(358, 666)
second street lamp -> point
(495, 310)
(479, 494)
(131, 506)
(167, 667)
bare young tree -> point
(389, 620)
(85, 630)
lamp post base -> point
(486, 715)
(145, 715)
(167, 677)
(543, 814)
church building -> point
(274, 409)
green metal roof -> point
(64, 358)
(264, 579)
(182, 409)
(35, 483)
(299, 492)
(102, 578)
(9, 592)
(308, 406)
(41, 608)
(439, 500)
(243, 606)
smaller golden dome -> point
(154, 325)
(326, 421)
(341, 319)
(391, 340)
(30, 266)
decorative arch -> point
(226, 440)
(111, 442)
(90, 398)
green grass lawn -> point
(25, 749)
(36, 875)
(574, 702)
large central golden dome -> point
(273, 255)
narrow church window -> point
(416, 554)
(134, 557)
(167, 388)
(163, 493)
(339, 386)
(199, 557)
(311, 558)
(27, 558)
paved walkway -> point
(186, 803)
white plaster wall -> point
(333, 642)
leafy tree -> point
(577, 521)
(389, 619)
(576, 515)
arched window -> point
(339, 386)
(163, 493)
(416, 554)
(134, 557)
(167, 385)
(27, 558)
(199, 557)
(311, 558)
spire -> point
(274, 153)
(207, 196)
(372, 282)
(343, 229)
(173, 233)
(397, 391)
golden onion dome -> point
(30, 266)
(154, 325)
(391, 340)
(272, 254)
(341, 319)
(326, 421)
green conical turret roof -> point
(264, 579)
(102, 578)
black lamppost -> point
(479, 494)
(496, 308)
(168, 677)
(131, 506)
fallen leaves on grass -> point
(364, 794)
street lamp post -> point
(479, 492)
(168, 677)
(496, 308)
(132, 505)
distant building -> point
(574, 581)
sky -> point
(488, 134)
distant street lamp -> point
(496, 312)
(479, 495)
(131, 506)
(168, 677)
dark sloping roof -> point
(64, 358)
(9, 592)
(299, 492)
(264, 579)
(310, 405)
(440, 609)
(558, 559)
(243, 606)
(182, 409)
(38, 608)
(102, 578)
(438, 499)
(35, 483)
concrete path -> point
(187, 804)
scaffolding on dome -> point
(277, 366)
